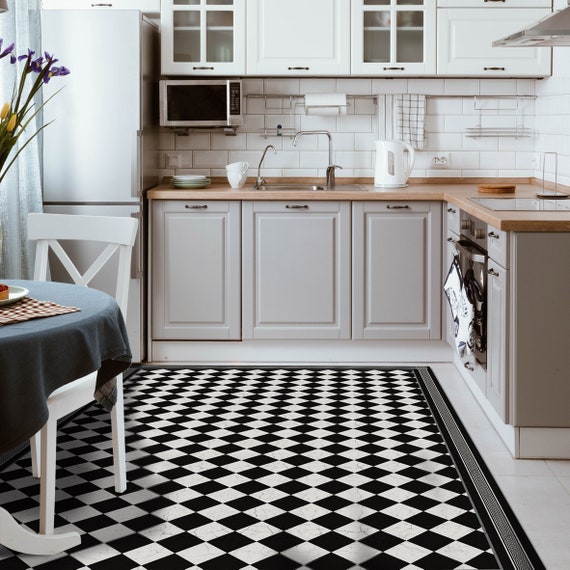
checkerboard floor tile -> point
(265, 469)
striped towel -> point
(402, 117)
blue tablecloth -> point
(40, 355)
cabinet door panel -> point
(296, 270)
(393, 38)
(396, 270)
(465, 43)
(202, 38)
(497, 338)
(196, 271)
(298, 37)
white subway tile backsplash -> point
(453, 105)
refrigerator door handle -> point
(137, 258)
(136, 181)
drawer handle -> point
(297, 206)
(101, 5)
(196, 207)
(493, 235)
(452, 210)
(399, 207)
(393, 68)
(202, 68)
(298, 68)
(493, 69)
(469, 366)
(451, 240)
(492, 272)
(494, 0)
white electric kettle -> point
(394, 162)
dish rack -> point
(517, 131)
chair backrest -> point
(118, 233)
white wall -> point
(354, 134)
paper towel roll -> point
(325, 103)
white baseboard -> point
(281, 352)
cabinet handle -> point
(451, 240)
(101, 5)
(298, 68)
(492, 272)
(202, 68)
(196, 206)
(493, 69)
(469, 366)
(297, 206)
(399, 207)
(452, 210)
(494, 0)
(393, 68)
(493, 235)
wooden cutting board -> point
(497, 188)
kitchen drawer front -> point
(295, 206)
(498, 246)
(452, 218)
(494, 4)
(402, 207)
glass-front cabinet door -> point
(202, 37)
(393, 37)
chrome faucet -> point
(331, 167)
(260, 180)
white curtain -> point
(20, 191)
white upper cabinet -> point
(145, 6)
(466, 34)
(298, 37)
(393, 37)
(202, 37)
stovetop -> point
(526, 204)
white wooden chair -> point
(119, 234)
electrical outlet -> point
(439, 160)
(173, 160)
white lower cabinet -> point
(296, 276)
(396, 270)
(497, 337)
(196, 270)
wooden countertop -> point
(457, 193)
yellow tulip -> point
(4, 110)
(11, 123)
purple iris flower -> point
(7, 51)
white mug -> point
(240, 167)
(237, 174)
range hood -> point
(553, 30)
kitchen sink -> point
(309, 188)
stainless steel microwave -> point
(200, 103)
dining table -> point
(51, 334)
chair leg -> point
(47, 476)
(35, 446)
(118, 431)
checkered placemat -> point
(28, 308)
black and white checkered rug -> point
(275, 469)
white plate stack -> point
(190, 181)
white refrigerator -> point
(100, 152)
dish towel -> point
(402, 117)
(462, 310)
